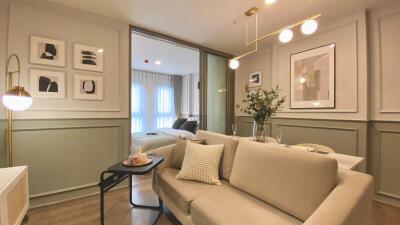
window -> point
(165, 107)
(137, 108)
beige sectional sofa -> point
(263, 185)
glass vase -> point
(259, 131)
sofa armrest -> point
(166, 152)
(350, 203)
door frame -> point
(202, 74)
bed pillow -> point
(189, 126)
(178, 123)
(179, 151)
(201, 163)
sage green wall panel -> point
(347, 137)
(245, 126)
(65, 157)
(384, 163)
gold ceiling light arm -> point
(254, 11)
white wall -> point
(349, 35)
(384, 25)
(259, 61)
(72, 26)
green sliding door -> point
(216, 104)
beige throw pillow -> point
(179, 151)
(201, 163)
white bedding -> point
(176, 132)
(163, 137)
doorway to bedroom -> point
(165, 90)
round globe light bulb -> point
(233, 64)
(309, 27)
(270, 2)
(17, 103)
(302, 80)
(285, 36)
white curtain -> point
(152, 100)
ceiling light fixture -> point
(234, 64)
(285, 34)
(157, 62)
(309, 27)
(270, 2)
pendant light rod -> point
(273, 33)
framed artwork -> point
(88, 87)
(88, 58)
(47, 83)
(47, 51)
(312, 78)
(255, 79)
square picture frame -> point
(312, 78)
(46, 51)
(88, 87)
(47, 83)
(88, 58)
(255, 79)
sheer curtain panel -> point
(152, 99)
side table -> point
(118, 173)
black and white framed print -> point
(47, 83)
(47, 51)
(255, 79)
(88, 87)
(88, 58)
(312, 80)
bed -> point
(158, 138)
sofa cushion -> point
(201, 163)
(230, 145)
(294, 181)
(183, 192)
(234, 207)
(179, 151)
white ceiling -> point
(217, 24)
(174, 59)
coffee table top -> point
(120, 168)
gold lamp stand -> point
(15, 99)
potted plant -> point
(260, 105)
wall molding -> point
(355, 130)
(73, 188)
(378, 153)
(355, 108)
(81, 186)
(381, 75)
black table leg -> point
(159, 208)
(101, 199)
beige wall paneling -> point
(260, 61)
(349, 35)
(73, 26)
(384, 46)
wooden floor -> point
(85, 211)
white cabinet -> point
(14, 195)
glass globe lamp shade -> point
(270, 2)
(233, 64)
(17, 99)
(309, 27)
(285, 36)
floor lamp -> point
(15, 99)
